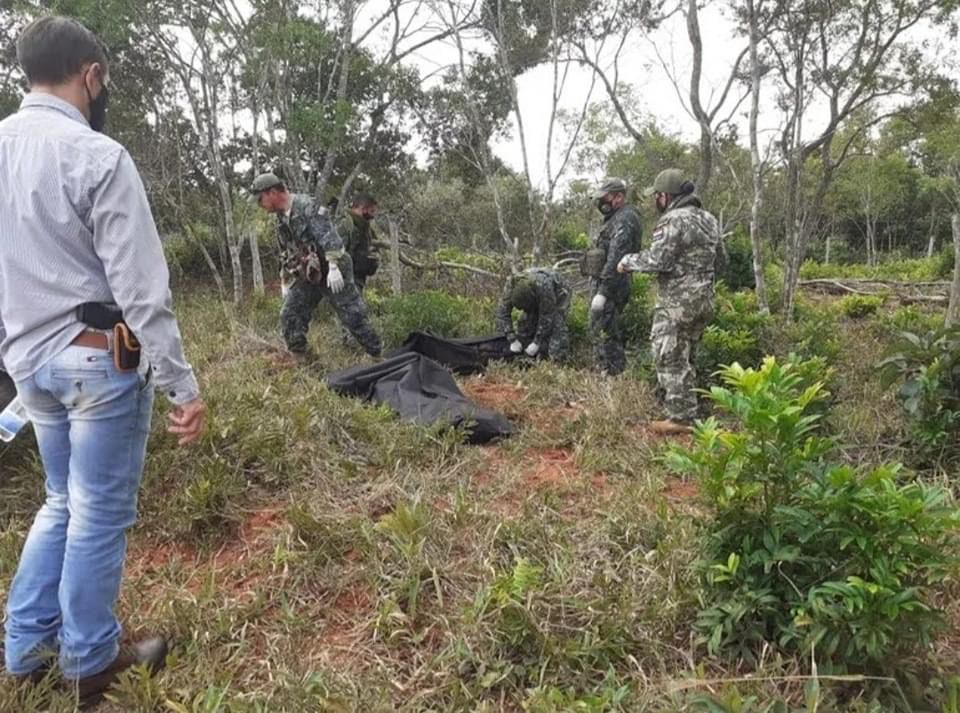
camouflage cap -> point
(670, 181)
(610, 185)
(523, 292)
(263, 182)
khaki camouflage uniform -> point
(619, 236)
(686, 243)
(544, 318)
(308, 240)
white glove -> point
(515, 346)
(284, 288)
(334, 278)
(598, 303)
(532, 349)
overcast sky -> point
(641, 65)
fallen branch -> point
(410, 262)
(835, 286)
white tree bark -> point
(953, 310)
(756, 162)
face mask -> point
(604, 206)
(98, 109)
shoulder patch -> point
(658, 233)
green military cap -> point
(263, 182)
(611, 185)
(671, 180)
(523, 292)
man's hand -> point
(334, 278)
(532, 349)
(622, 265)
(188, 421)
(598, 303)
(515, 346)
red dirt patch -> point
(553, 420)
(495, 395)
(493, 467)
(680, 490)
(551, 468)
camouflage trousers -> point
(609, 336)
(557, 347)
(674, 339)
(302, 301)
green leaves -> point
(929, 367)
(813, 556)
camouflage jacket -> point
(307, 238)
(619, 236)
(551, 292)
(359, 239)
(684, 253)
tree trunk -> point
(706, 135)
(332, 153)
(931, 245)
(756, 163)
(953, 310)
(257, 265)
(826, 252)
(395, 267)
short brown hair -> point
(53, 48)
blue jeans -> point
(91, 422)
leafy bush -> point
(638, 315)
(737, 270)
(454, 254)
(811, 557)
(929, 367)
(739, 333)
(443, 314)
(909, 318)
(860, 306)
(908, 269)
(813, 333)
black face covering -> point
(98, 109)
(604, 206)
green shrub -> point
(929, 367)
(814, 332)
(443, 314)
(812, 558)
(860, 306)
(909, 318)
(737, 270)
(455, 254)
(739, 333)
(638, 315)
(905, 269)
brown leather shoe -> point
(669, 427)
(151, 652)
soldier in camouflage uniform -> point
(619, 236)
(684, 252)
(544, 298)
(314, 265)
(359, 238)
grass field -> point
(315, 554)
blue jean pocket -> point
(74, 374)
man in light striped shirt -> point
(75, 228)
